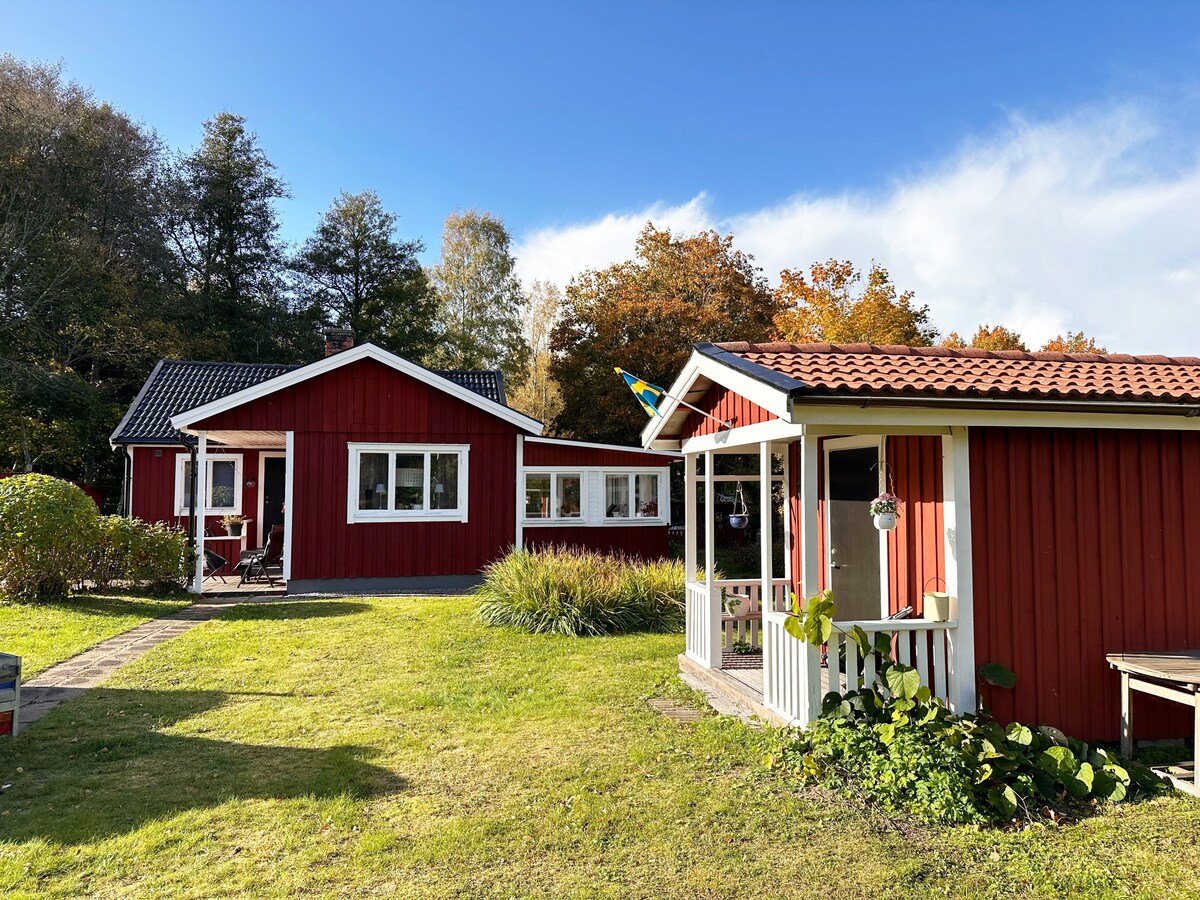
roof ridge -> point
(954, 353)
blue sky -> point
(562, 117)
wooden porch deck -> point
(214, 585)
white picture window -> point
(616, 496)
(223, 486)
(633, 495)
(403, 482)
(553, 495)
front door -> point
(274, 478)
(852, 483)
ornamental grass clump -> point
(561, 590)
(48, 530)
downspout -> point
(191, 521)
(127, 484)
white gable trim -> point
(184, 420)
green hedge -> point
(52, 539)
(581, 592)
(48, 530)
(141, 555)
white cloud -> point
(1076, 223)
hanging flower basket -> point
(885, 511)
(740, 516)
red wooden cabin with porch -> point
(1050, 495)
(384, 475)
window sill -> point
(409, 517)
(585, 523)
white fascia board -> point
(776, 430)
(183, 420)
(679, 387)
(829, 418)
(563, 442)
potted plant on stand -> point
(233, 525)
(885, 510)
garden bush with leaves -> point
(562, 590)
(48, 529)
(894, 745)
(140, 554)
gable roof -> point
(175, 386)
(447, 381)
(938, 372)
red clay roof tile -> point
(867, 369)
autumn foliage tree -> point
(536, 393)
(1074, 342)
(644, 315)
(834, 303)
(987, 337)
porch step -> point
(685, 715)
(726, 694)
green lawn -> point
(395, 747)
(50, 631)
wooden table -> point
(1174, 677)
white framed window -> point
(595, 496)
(632, 495)
(407, 482)
(554, 495)
(223, 486)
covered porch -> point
(736, 644)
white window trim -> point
(181, 460)
(554, 476)
(592, 495)
(354, 515)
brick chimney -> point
(337, 340)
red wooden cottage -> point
(1052, 496)
(384, 475)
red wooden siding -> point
(645, 541)
(916, 548)
(153, 496)
(540, 454)
(368, 401)
(727, 406)
(1082, 547)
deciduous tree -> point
(537, 394)
(363, 277)
(1074, 342)
(480, 302)
(644, 315)
(833, 303)
(987, 337)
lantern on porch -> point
(740, 516)
(885, 511)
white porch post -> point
(710, 560)
(810, 578)
(289, 475)
(765, 527)
(956, 501)
(198, 505)
(691, 567)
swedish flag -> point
(648, 394)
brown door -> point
(853, 541)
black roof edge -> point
(115, 437)
(500, 385)
(769, 377)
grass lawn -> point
(49, 631)
(396, 747)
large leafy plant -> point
(894, 744)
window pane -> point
(221, 491)
(569, 492)
(443, 480)
(645, 490)
(616, 496)
(187, 484)
(372, 480)
(537, 496)
(410, 481)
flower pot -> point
(937, 606)
(234, 529)
(739, 522)
(885, 521)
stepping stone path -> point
(72, 677)
(685, 715)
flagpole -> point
(721, 422)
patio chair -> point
(259, 563)
(213, 564)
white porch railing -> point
(702, 612)
(742, 608)
(794, 682)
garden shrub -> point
(139, 554)
(48, 529)
(562, 590)
(894, 745)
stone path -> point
(72, 677)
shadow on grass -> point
(106, 604)
(106, 765)
(293, 609)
